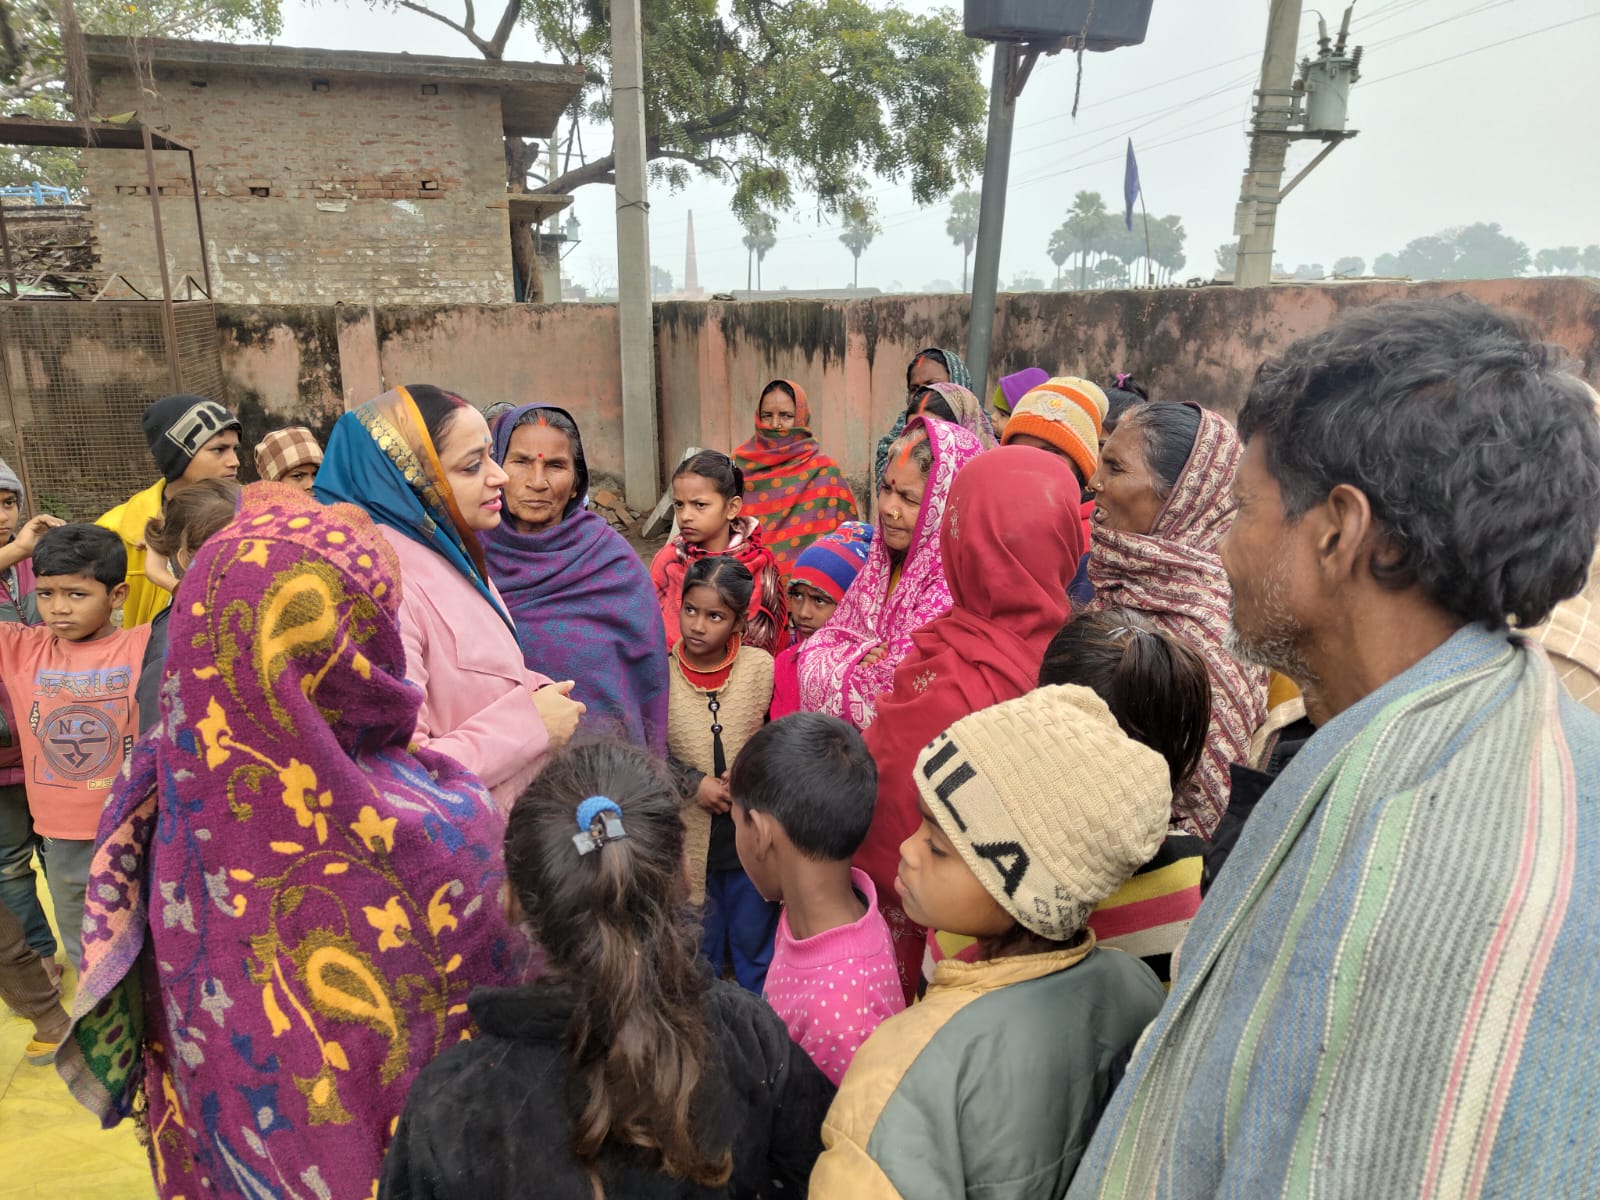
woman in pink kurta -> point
(847, 664)
(418, 460)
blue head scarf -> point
(380, 458)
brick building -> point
(324, 175)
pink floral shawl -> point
(832, 677)
(1173, 576)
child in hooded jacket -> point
(1032, 812)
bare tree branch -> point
(601, 170)
(482, 46)
(502, 31)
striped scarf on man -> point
(1391, 991)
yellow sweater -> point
(127, 521)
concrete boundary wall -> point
(309, 363)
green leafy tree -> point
(963, 227)
(1227, 257)
(1564, 260)
(761, 235)
(1426, 257)
(33, 61)
(661, 282)
(1481, 251)
(1026, 281)
(782, 98)
(859, 229)
(1485, 251)
(1109, 273)
(1350, 266)
(1310, 271)
(1590, 258)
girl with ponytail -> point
(625, 1071)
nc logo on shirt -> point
(79, 742)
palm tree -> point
(859, 230)
(963, 227)
(1087, 224)
(761, 235)
(1166, 245)
(1060, 251)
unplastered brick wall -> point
(385, 190)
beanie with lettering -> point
(1048, 803)
(176, 427)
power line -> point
(903, 217)
(1480, 49)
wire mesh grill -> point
(77, 380)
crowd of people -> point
(1135, 803)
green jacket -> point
(991, 1086)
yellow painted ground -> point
(54, 1150)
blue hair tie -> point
(591, 836)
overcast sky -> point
(1469, 110)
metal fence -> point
(76, 380)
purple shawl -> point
(583, 608)
(287, 906)
(832, 677)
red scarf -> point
(794, 490)
(766, 620)
(1011, 541)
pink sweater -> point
(477, 702)
(834, 989)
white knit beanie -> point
(1049, 803)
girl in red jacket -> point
(708, 496)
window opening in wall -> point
(430, 185)
(430, 89)
(321, 85)
(261, 191)
(197, 83)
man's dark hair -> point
(1479, 455)
(87, 550)
(813, 775)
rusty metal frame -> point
(24, 131)
(67, 135)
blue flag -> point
(1130, 184)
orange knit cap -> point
(1066, 412)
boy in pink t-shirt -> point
(72, 685)
(803, 790)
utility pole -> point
(1257, 215)
(1324, 84)
(640, 474)
(1022, 30)
(1003, 89)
